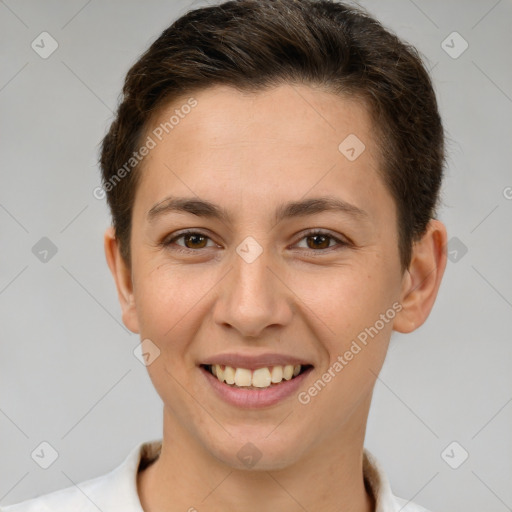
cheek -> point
(351, 311)
(167, 303)
(165, 298)
(348, 298)
(353, 314)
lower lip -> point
(255, 398)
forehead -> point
(294, 114)
(283, 141)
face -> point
(279, 249)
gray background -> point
(67, 368)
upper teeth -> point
(260, 378)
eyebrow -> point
(293, 209)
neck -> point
(329, 477)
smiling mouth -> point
(261, 378)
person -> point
(273, 174)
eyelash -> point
(169, 242)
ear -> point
(123, 279)
(422, 279)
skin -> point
(250, 153)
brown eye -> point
(318, 241)
(188, 241)
(194, 241)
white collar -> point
(116, 491)
(385, 501)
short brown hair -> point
(255, 44)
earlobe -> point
(123, 280)
(422, 280)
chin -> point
(257, 452)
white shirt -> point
(116, 491)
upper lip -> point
(253, 362)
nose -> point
(253, 297)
